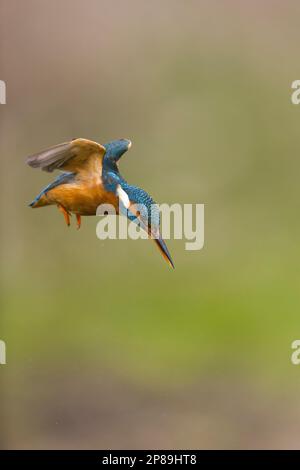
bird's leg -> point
(66, 214)
(78, 219)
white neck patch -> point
(123, 196)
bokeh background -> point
(106, 346)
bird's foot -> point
(66, 214)
(78, 219)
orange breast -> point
(82, 198)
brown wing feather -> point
(70, 156)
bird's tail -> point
(38, 201)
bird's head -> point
(116, 148)
(141, 209)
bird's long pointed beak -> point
(164, 250)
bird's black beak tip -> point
(164, 251)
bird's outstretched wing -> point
(116, 148)
(75, 156)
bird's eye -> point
(105, 212)
(138, 213)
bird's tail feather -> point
(38, 201)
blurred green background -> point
(106, 346)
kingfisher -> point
(90, 177)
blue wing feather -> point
(64, 178)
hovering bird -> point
(91, 177)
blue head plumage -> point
(135, 203)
